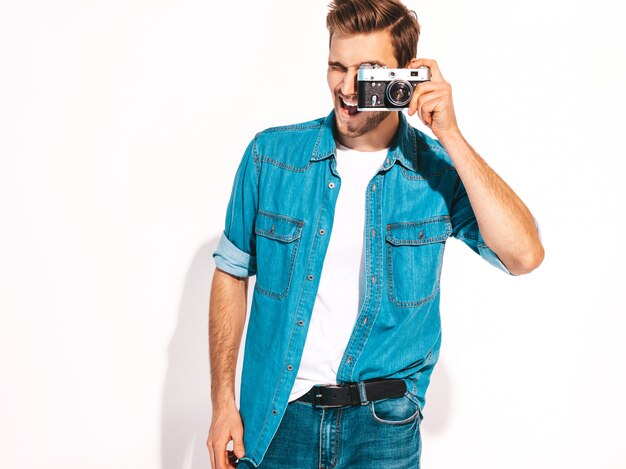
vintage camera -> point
(387, 89)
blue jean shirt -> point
(278, 223)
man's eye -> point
(336, 68)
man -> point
(343, 220)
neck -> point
(376, 139)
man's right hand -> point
(226, 425)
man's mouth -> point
(348, 105)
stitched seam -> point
(419, 177)
(426, 221)
(286, 166)
(395, 422)
(280, 296)
(294, 249)
(320, 465)
(467, 236)
(257, 161)
(427, 240)
(378, 291)
(390, 285)
(282, 217)
(274, 235)
(304, 126)
(279, 237)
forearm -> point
(227, 314)
(504, 221)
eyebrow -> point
(373, 62)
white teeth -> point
(348, 104)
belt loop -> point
(362, 393)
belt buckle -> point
(317, 395)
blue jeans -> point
(380, 434)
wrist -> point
(449, 136)
(223, 403)
(222, 396)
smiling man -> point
(344, 221)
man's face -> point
(347, 53)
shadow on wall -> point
(438, 401)
(186, 403)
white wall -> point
(121, 126)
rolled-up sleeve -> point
(236, 250)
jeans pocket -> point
(395, 410)
(414, 257)
(277, 242)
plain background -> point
(121, 127)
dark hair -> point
(367, 16)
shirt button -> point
(373, 187)
(274, 411)
(331, 185)
(310, 277)
(387, 161)
(322, 231)
(290, 367)
(373, 233)
(373, 278)
(349, 358)
(300, 322)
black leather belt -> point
(338, 395)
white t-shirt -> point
(337, 305)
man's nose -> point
(348, 87)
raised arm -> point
(504, 221)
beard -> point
(365, 122)
(353, 129)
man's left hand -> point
(432, 100)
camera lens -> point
(399, 92)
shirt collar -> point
(403, 147)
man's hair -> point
(368, 16)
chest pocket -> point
(277, 242)
(414, 257)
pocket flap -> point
(276, 226)
(430, 230)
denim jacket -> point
(278, 223)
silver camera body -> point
(387, 89)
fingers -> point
(420, 89)
(432, 100)
(429, 104)
(218, 453)
(435, 73)
(221, 457)
(238, 447)
(424, 92)
(209, 445)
